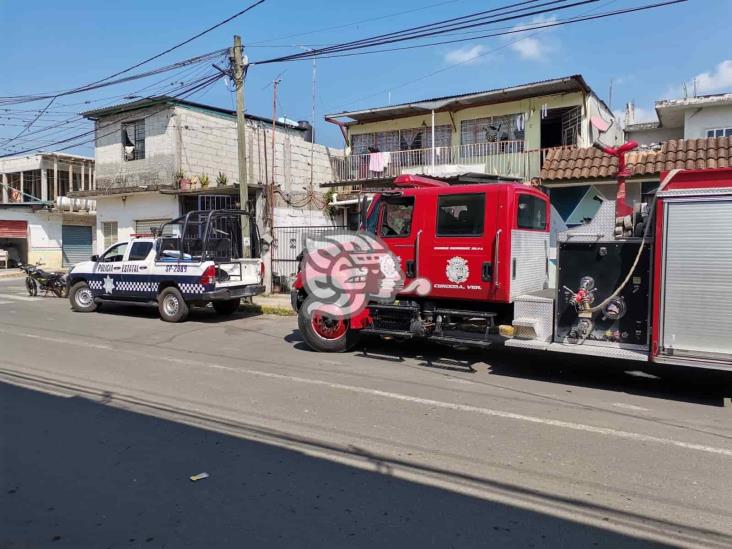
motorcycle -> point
(37, 279)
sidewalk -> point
(277, 304)
(11, 273)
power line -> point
(187, 41)
(518, 30)
(412, 33)
(185, 91)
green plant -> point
(203, 178)
(180, 174)
(330, 209)
(221, 179)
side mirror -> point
(94, 258)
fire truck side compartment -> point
(695, 320)
(608, 263)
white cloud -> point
(533, 45)
(467, 55)
(720, 79)
(717, 80)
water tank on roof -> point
(308, 133)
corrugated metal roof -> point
(453, 102)
(143, 103)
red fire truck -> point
(649, 285)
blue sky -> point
(52, 45)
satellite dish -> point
(599, 124)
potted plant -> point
(203, 178)
(184, 184)
(221, 179)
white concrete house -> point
(158, 158)
(39, 222)
(698, 117)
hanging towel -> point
(378, 161)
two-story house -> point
(690, 118)
(495, 134)
(39, 223)
(158, 158)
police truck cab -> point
(191, 261)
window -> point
(373, 219)
(719, 132)
(115, 253)
(133, 140)
(397, 220)
(492, 130)
(460, 215)
(531, 213)
(140, 251)
(109, 231)
(146, 226)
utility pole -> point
(270, 189)
(239, 65)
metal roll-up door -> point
(13, 229)
(143, 226)
(697, 262)
(76, 244)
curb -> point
(11, 276)
(267, 309)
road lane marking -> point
(606, 431)
(59, 340)
(20, 297)
(630, 407)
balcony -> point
(504, 159)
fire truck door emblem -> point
(457, 270)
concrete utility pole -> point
(239, 64)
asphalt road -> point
(105, 416)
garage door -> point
(13, 229)
(143, 226)
(696, 319)
(76, 244)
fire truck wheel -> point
(172, 306)
(81, 298)
(325, 334)
(227, 307)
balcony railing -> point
(503, 159)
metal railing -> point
(508, 159)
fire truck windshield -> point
(372, 221)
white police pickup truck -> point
(192, 261)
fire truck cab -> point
(479, 246)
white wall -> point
(135, 207)
(44, 234)
(159, 165)
(655, 135)
(696, 123)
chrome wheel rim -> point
(171, 305)
(84, 297)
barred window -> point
(492, 129)
(133, 140)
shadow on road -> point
(682, 385)
(76, 473)
(204, 315)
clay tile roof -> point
(589, 163)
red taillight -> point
(209, 276)
(261, 272)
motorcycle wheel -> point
(31, 286)
(60, 290)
